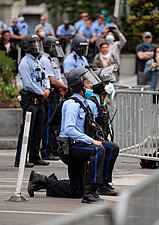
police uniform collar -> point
(97, 96)
(79, 57)
(33, 57)
(46, 54)
(79, 97)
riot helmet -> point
(80, 45)
(53, 47)
(105, 86)
(32, 44)
(76, 78)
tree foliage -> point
(143, 16)
(90, 6)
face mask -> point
(109, 88)
(110, 38)
(157, 58)
(146, 45)
(42, 33)
(88, 92)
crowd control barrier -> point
(136, 123)
(139, 205)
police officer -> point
(36, 88)
(77, 57)
(82, 148)
(101, 114)
(65, 32)
(52, 49)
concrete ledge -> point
(8, 143)
(127, 64)
(10, 121)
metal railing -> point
(139, 205)
(136, 124)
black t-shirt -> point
(142, 48)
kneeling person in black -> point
(83, 148)
(101, 114)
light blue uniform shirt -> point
(51, 69)
(98, 28)
(23, 28)
(93, 106)
(73, 61)
(30, 69)
(47, 27)
(73, 117)
(79, 24)
(87, 32)
(3, 25)
(61, 31)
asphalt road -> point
(35, 210)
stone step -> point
(8, 143)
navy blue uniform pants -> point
(49, 143)
(35, 134)
(87, 164)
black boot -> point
(90, 195)
(36, 182)
(107, 189)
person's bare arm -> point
(145, 55)
(57, 83)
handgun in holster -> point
(24, 98)
(64, 144)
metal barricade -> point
(94, 214)
(139, 205)
(136, 124)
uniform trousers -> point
(35, 134)
(49, 143)
(87, 164)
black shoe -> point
(107, 189)
(51, 157)
(41, 162)
(27, 164)
(36, 182)
(91, 198)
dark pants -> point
(87, 164)
(49, 143)
(141, 78)
(35, 134)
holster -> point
(29, 97)
(64, 145)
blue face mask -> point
(88, 92)
(146, 45)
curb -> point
(8, 143)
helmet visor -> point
(36, 47)
(81, 50)
(56, 51)
(92, 77)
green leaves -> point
(7, 68)
(143, 16)
(8, 89)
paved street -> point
(34, 210)
(127, 173)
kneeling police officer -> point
(83, 176)
(100, 111)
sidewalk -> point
(130, 80)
